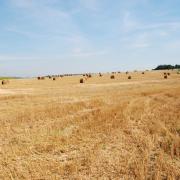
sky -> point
(41, 37)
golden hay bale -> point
(81, 80)
(165, 73)
(168, 74)
(165, 77)
(100, 75)
(143, 73)
(5, 82)
(54, 78)
(127, 72)
(129, 77)
(112, 77)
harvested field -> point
(102, 129)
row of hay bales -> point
(49, 77)
(88, 75)
(127, 72)
(82, 80)
(54, 77)
(113, 77)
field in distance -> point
(102, 129)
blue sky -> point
(73, 36)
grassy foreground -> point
(103, 129)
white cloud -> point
(171, 25)
(137, 34)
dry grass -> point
(103, 129)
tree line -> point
(167, 66)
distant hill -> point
(166, 67)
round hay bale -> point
(39, 78)
(165, 73)
(5, 82)
(165, 77)
(112, 77)
(168, 74)
(129, 77)
(127, 72)
(143, 73)
(81, 80)
(100, 75)
(54, 78)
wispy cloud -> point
(171, 25)
(76, 52)
(137, 33)
(50, 23)
(131, 23)
(24, 33)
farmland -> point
(102, 129)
